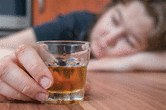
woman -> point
(126, 28)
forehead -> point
(136, 18)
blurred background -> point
(16, 15)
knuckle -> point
(35, 67)
(19, 96)
(36, 70)
(30, 91)
(1, 86)
(3, 68)
(26, 89)
(20, 50)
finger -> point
(35, 66)
(21, 81)
(46, 56)
(10, 92)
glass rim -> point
(70, 42)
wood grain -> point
(113, 91)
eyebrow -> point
(122, 19)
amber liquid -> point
(67, 79)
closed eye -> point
(130, 43)
(115, 21)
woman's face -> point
(121, 31)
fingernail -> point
(41, 97)
(45, 82)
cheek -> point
(97, 33)
(99, 30)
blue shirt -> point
(72, 26)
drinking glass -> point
(67, 61)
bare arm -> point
(9, 43)
(148, 61)
(23, 37)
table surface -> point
(113, 91)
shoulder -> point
(82, 13)
(78, 16)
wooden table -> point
(113, 91)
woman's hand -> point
(24, 76)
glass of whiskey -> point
(67, 61)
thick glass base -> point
(66, 98)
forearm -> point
(14, 40)
(150, 61)
(143, 61)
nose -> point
(112, 37)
